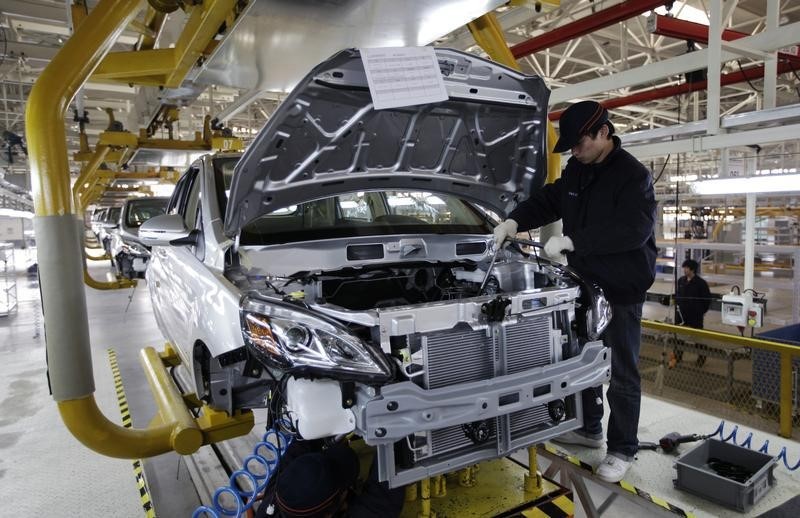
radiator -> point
(460, 357)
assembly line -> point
(397, 259)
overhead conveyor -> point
(60, 252)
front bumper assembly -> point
(403, 409)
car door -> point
(163, 273)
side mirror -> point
(164, 230)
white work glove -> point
(556, 246)
(503, 231)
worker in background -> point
(320, 483)
(693, 299)
(606, 202)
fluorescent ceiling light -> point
(754, 184)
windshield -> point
(113, 214)
(140, 211)
(367, 214)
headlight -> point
(594, 313)
(132, 248)
(598, 316)
(293, 340)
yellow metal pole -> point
(186, 435)
(466, 477)
(119, 284)
(51, 95)
(168, 67)
(58, 231)
(85, 179)
(489, 35)
(425, 499)
(786, 395)
(411, 492)
(439, 489)
(533, 479)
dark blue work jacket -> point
(608, 210)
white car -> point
(341, 273)
(130, 255)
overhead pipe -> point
(752, 74)
(697, 32)
(586, 25)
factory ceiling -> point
(249, 72)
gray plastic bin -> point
(695, 475)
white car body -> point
(336, 265)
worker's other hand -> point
(557, 246)
(503, 231)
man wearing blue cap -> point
(606, 202)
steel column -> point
(749, 239)
(771, 63)
(714, 57)
(585, 25)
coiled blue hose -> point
(245, 499)
(747, 443)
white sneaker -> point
(612, 469)
(575, 437)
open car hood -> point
(486, 143)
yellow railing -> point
(785, 352)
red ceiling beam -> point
(751, 73)
(586, 25)
(683, 30)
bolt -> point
(380, 432)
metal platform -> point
(646, 491)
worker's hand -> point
(557, 246)
(503, 231)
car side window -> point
(192, 214)
(177, 202)
(192, 202)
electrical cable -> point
(739, 64)
(747, 443)
(662, 170)
(243, 498)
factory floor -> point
(45, 471)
